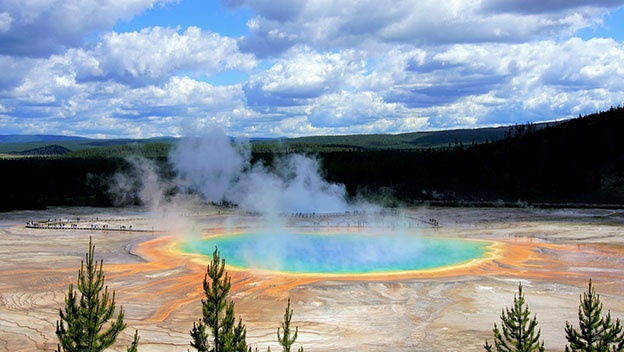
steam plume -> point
(222, 171)
(142, 182)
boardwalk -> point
(89, 225)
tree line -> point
(577, 161)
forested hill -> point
(580, 160)
(403, 141)
(84, 147)
(576, 161)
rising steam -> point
(142, 182)
(222, 171)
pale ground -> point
(557, 252)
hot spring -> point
(338, 253)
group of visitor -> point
(59, 224)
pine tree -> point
(80, 326)
(286, 339)
(135, 343)
(518, 329)
(218, 313)
(597, 334)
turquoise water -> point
(338, 253)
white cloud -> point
(540, 6)
(57, 102)
(463, 85)
(502, 74)
(295, 79)
(301, 126)
(360, 24)
(157, 53)
(345, 109)
(5, 21)
(39, 28)
(183, 96)
(152, 55)
(13, 71)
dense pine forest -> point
(579, 161)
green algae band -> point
(338, 253)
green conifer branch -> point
(135, 343)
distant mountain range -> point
(16, 144)
(29, 138)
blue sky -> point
(262, 68)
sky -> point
(269, 68)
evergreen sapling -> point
(286, 340)
(218, 313)
(80, 326)
(519, 330)
(596, 333)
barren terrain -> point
(552, 252)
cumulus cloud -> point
(495, 73)
(180, 96)
(157, 53)
(51, 96)
(38, 28)
(13, 71)
(348, 109)
(296, 79)
(466, 85)
(150, 56)
(538, 6)
(463, 85)
(361, 24)
(302, 126)
(422, 79)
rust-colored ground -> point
(553, 253)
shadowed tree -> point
(218, 314)
(286, 339)
(84, 317)
(596, 333)
(518, 329)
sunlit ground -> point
(449, 306)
